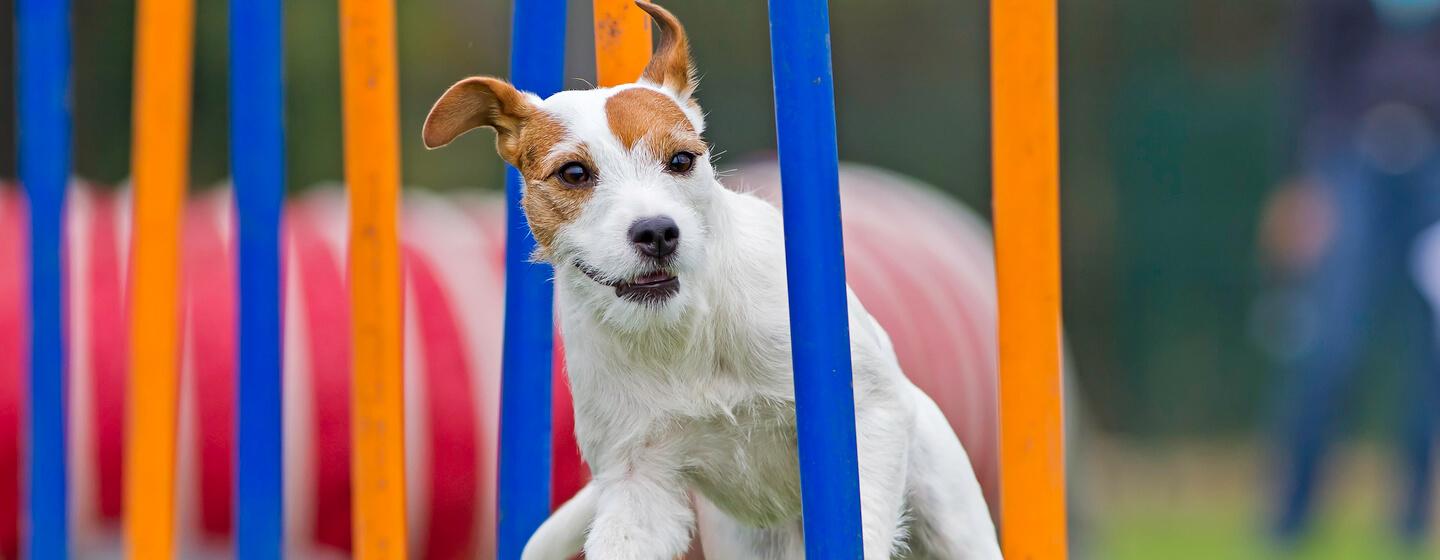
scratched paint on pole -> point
(372, 174)
(164, 35)
(1025, 97)
(44, 135)
(257, 156)
(622, 42)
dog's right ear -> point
(670, 66)
(475, 102)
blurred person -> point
(1339, 236)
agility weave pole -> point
(257, 161)
(809, 162)
(164, 41)
(1026, 150)
(537, 65)
(370, 95)
(44, 127)
(622, 42)
(819, 325)
(815, 269)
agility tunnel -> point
(936, 300)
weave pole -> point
(1026, 145)
(372, 174)
(257, 159)
(537, 65)
(164, 40)
(44, 91)
(815, 265)
(622, 42)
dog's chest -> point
(725, 413)
(747, 463)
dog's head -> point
(616, 180)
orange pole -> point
(164, 37)
(372, 172)
(622, 42)
(1026, 148)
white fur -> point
(685, 409)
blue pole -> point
(815, 261)
(257, 159)
(537, 64)
(44, 119)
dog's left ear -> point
(670, 67)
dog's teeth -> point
(652, 277)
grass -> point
(1219, 535)
(1205, 502)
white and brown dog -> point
(672, 298)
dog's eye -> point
(681, 162)
(574, 174)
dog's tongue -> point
(652, 278)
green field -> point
(1205, 502)
(1212, 535)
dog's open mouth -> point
(652, 287)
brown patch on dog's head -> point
(537, 145)
(640, 115)
(548, 207)
(548, 202)
(670, 67)
(526, 137)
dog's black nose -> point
(655, 237)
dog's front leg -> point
(642, 513)
(563, 534)
(882, 439)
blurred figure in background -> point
(1340, 236)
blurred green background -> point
(1175, 123)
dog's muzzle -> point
(652, 287)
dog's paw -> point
(618, 541)
(611, 546)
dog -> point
(672, 300)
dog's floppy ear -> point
(670, 67)
(476, 102)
